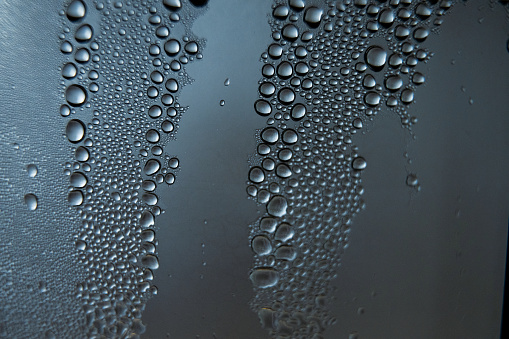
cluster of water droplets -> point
(124, 69)
(331, 68)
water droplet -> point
(359, 163)
(78, 180)
(69, 70)
(298, 111)
(152, 136)
(75, 130)
(152, 167)
(66, 47)
(261, 245)
(191, 47)
(290, 136)
(227, 82)
(270, 135)
(75, 95)
(407, 96)
(268, 224)
(155, 111)
(264, 277)
(32, 170)
(167, 126)
(172, 85)
(76, 10)
(82, 55)
(150, 261)
(286, 253)
(290, 32)
(286, 95)
(263, 107)
(172, 47)
(84, 33)
(393, 83)
(75, 198)
(277, 206)
(281, 12)
(284, 232)
(81, 154)
(173, 5)
(147, 219)
(372, 98)
(31, 201)
(267, 89)
(313, 16)
(376, 57)
(411, 180)
(256, 175)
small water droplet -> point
(31, 201)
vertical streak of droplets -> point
(120, 87)
(331, 68)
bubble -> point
(84, 33)
(290, 136)
(173, 5)
(372, 98)
(393, 83)
(76, 10)
(147, 219)
(155, 112)
(277, 206)
(172, 47)
(268, 224)
(376, 57)
(264, 277)
(152, 167)
(82, 55)
(284, 232)
(75, 198)
(411, 180)
(298, 112)
(359, 163)
(172, 85)
(78, 180)
(290, 32)
(281, 12)
(152, 136)
(262, 107)
(267, 89)
(286, 95)
(270, 135)
(261, 245)
(286, 253)
(150, 261)
(75, 130)
(81, 154)
(407, 96)
(32, 170)
(191, 47)
(256, 174)
(31, 201)
(313, 16)
(75, 95)
(66, 47)
(69, 70)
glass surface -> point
(253, 169)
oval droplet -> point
(75, 130)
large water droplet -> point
(359, 163)
(69, 70)
(172, 47)
(261, 245)
(78, 180)
(75, 130)
(256, 174)
(150, 261)
(262, 107)
(31, 201)
(76, 10)
(313, 16)
(84, 33)
(151, 167)
(376, 57)
(75, 198)
(75, 95)
(277, 206)
(264, 277)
